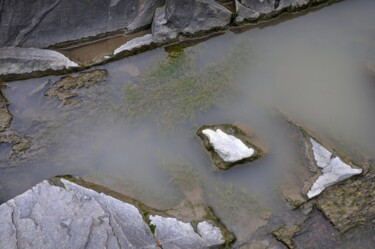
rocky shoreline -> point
(170, 21)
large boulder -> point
(42, 23)
(31, 61)
(188, 17)
(69, 215)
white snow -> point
(333, 170)
(228, 147)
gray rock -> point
(188, 17)
(30, 60)
(253, 9)
(135, 43)
(176, 234)
(43, 23)
(72, 216)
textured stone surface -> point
(5, 115)
(229, 145)
(229, 148)
(177, 234)
(42, 23)
(333, 170)
(135, 43)
(64, 88)
(188, 17)
(29, 60)
(72, 216)
(253, 9)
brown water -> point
(313, 67)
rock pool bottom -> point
(60, 212)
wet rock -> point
(64, 88)
(333, 170)
(285, 234)
(5, 115)
(45, 23)
(228, 145)
(72, 216)
(188, 17)
(350, 203)
(135, 44)
(176, 234)
(19, 144)
(29, 61)
(251, 10)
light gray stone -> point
(333, 170)
(228, 147)
(188, 17)
(74, 217)
(135, 43)
(42, 23)
(175, 234)
(29, 60)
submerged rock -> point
(349, 203)
(333, 170)
(72, 216)
(31, 61)
(188, 17)
(19, 144)
(64, 88)
(5, 115)
(228, 145)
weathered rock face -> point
(43, 23)
(72, 216)
(228, 145)
(23, 61)
(5, 116)
(188, 17)
(253, 9)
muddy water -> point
(313, 67)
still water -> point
(132, 130)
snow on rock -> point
(333, 171)
(228, 147)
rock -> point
(19, 144)
(176, 234)
(5, 115)
(333, 170)
(61, 212)
(135, 44)
(188, 17)
(349, 203)
(285, 234)
(28, 61)
(229, 148)
(251, 10)
(63, 89)
(42, 23)
(228, 145)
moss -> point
(174, 91)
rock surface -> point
(136, 43)
(229, 148)
(18, 61)
(63, 89)
(333, 171)
(228, 145)
(42, 23)
(5, 115)
(72, 216)
(188, 17)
